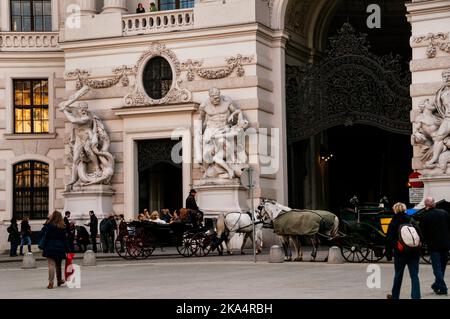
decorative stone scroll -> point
(233, 63)
(435, 41)
(82, 77)
(431, 128)
(138, 96)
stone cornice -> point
(427, 10)
(233, 31)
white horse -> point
(232, 223)
(322, 223)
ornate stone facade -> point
(194, 67)
(176, 94)
(436, 41)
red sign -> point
(413, 180)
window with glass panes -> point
(157, 78)
(31, 106)
(31, 15)
(30, 190)
(175, 4)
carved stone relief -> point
(431, 128)
(233, 63)
(138, 96)
(435, 41)
(82, 78)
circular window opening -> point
(157, 78)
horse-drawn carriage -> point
(364, 231)
(191, 238)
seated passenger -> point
(165, 215)
(175, 218)
(154, 217)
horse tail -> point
(335, 228)
(220, 224)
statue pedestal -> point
(81, 200)
(214, 199)
(436, 186)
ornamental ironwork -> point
(151, 152)
(350, 86)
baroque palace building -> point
(102, 108)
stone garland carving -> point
(233, 63)
(82, 78)
(431, 128)
(138, 96)
(435, 41)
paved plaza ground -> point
(167, 274)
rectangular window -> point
(31, 15)
(175, 4)
(31, 106)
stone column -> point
(87, 7)
(115, 6)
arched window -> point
(31, 15)
(175, 4)
(30, 190)
(157, 78)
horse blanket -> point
(303, 222)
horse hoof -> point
(229, 253)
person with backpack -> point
(435, 227)
(13, 237)
(403, 243)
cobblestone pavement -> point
(214, 277)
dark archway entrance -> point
(160, 179)
(367, 162)
(353, 104)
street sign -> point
(415, 195)
(248, 176)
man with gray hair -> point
(435, 226)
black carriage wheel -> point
(376, 253)
(134, 247)
(184, 246)
(120, 247)
(354, 249)
(148, 246)
(203, 244)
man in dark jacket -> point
(13, 237)
(93, 229)
(190, 201)
(69, 232)
(435, 226)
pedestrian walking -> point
(13, 237)
(402, 256)
(25, 233)
(435, 226)
(55, 247)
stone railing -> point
(162, 21)
(29, 41)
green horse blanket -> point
(303, 222)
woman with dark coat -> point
(55, 247)
(25, 232)
(402, 258)
(13, 237)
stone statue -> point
(89, 144)
(442, 134)
(223, 123)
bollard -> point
(89, 258)
(276, 254)
(28, 261)
(335, 256)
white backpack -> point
(408, 237)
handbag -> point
(43, 237)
